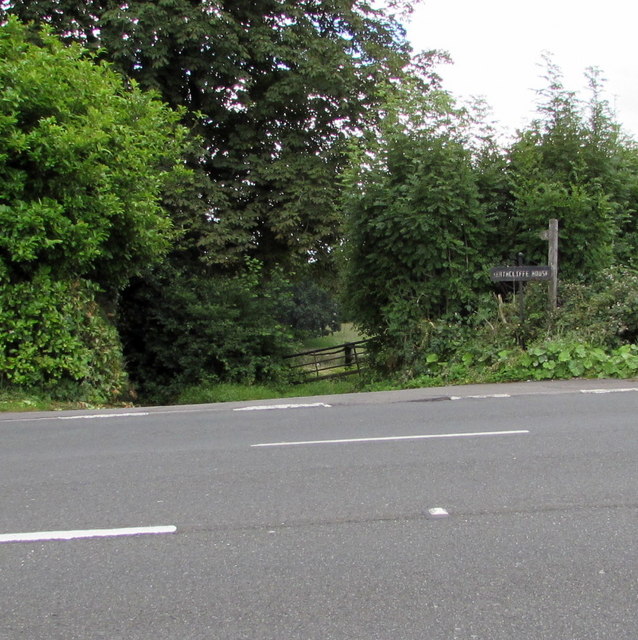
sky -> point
(497, 47)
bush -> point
(83, 160)
(54, 336)
(180, 329)
(592, 334)
(604, 313)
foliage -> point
(90, 165)
(180, 328)
(592, 334)
(573, 164)
(82, 163)
(417, 235)
(273, 88)
(313, 311)
(55, 337)
(604, 313)
(556, 360)
(433, 201)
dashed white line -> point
(266, 407)
(491, 395)
(429, 436)
(482, 396)
(95, 416)
(621, 390)
(91, 416)
(41, 536)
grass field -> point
(347, 333)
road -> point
(500, 512)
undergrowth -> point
(593, 334)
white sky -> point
(496, 46)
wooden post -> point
(552, 261)
(521, 293)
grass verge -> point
(226, 392)
(18, 401)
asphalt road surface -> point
(503, 512)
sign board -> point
(520, 273)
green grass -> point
(227, 392)
(347, 333)
(18, 401)
(223, 392)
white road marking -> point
(266, 407)
(37, 536)
(438, 512)
(104, 415)
(622, 390)
(492, 395)
(482, 396)
(393, 438)
(81, 417)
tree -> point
(272, 87)
(419, 237)
(83, 160)
(570, 164)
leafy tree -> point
(83, 160)
(272, 87)
(571, 164)
(418, 236)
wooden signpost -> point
(524, 273)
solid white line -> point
(93, 416)
(393, 438)
(37, 536)
(266, 407)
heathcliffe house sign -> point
(520, 273)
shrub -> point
(180, 329)
(54, 336)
